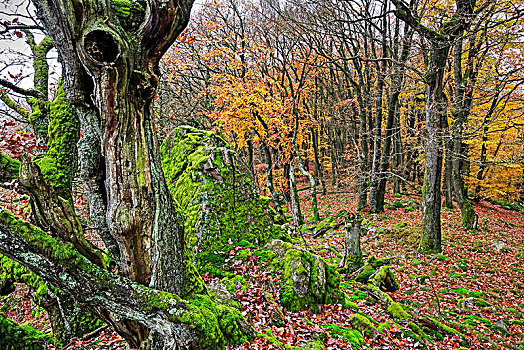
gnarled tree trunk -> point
(110, 52)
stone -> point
(384, 279)
(501, 325)
(214, 193)
(308, 281)
(221, 291)
(500, 246)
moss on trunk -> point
(9, 168)
(59, 163)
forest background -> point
(387, 105)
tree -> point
(110, 51)
(440, 42)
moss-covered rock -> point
(308, 281)
(398, 313)
(363, 323)
(219, 203)
(352, 336)
(467, 303)
(384, 279)
(366, 273)
(376, 263)
(313, 345)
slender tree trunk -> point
(463, 103)
(435, 107)
(298, 218)
(269, 183)
(393, 115)
(318, 166)
(375, 175)
(447, 186)
(398, 154)
(363, 175)
(312, 186)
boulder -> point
(384, 279)
(308, 281)
(218, 200)
(221, 292)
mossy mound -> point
(352, 336)
(218, 200)
(14, 336)
(308, 281)
(364, 323)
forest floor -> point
(491, 282)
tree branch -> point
(98, 290)
(404, 13)
(14, 105)
(19, 90)
(19, 27)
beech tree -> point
(440, 43)
(110, 51)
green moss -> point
(308, 281)
(246, 244)
(352, 336)
(13, 336)
(348, 304)
(378, 262)
(480, 302)
(214, 323)
(268, 335)
(449, 330)
(218, 201)
(236, 282)
(40, 64)
(363, 323)
(59, 163)
(441, 257)
(414, 332)
(398, 313)
(313, 345)
(265, 255)
(364, 276)
(468, 214)
(125, 8)
(243, 254)
(384, 326)
(9, 167)
(385, 279)
(399, 204)
(39, 117)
